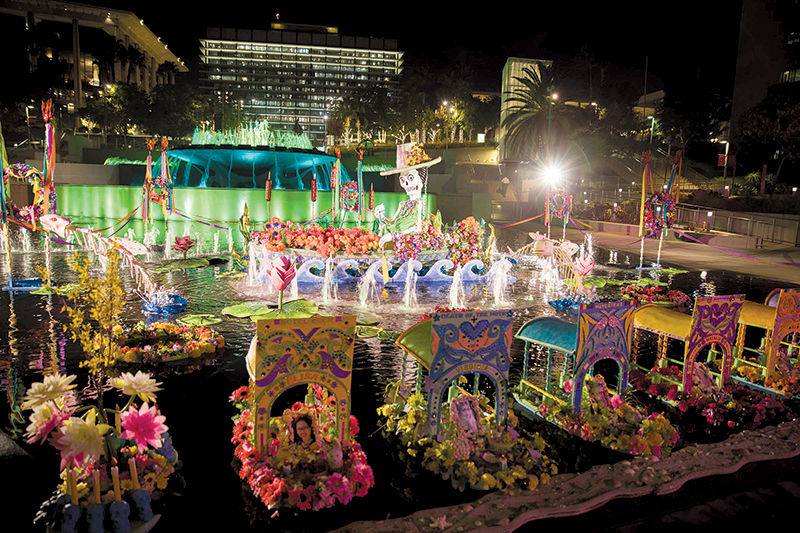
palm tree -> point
(533, 120)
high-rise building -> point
(293, 74)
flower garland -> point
(278, 235)
(349, 195)
(659, 213)
(641, 295)
(35, 178)
(320, 476)
(162, 342)
(481, 457)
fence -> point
(778, 229)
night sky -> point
(683, 39)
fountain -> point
(198, 245)
(410, 289)
(368, 283)
(216, 243)
(329, 290)
(457, 290)
(168, 244)
(498, 274)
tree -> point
(773, 127)
(534, 119)
(119, 109)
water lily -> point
(145, 426)
(281, 273)
(183, 244)
(52, 388)
(584, 265)
(140, 384)
(80, 440)
(44, 419)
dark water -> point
(209, 493)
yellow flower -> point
(488, 481)
(117, 330)
(533, 482)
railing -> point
(767, 228)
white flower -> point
(140, 384)
(51, 389)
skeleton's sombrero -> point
(404, 152)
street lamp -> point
(652, 127)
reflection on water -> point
(32, 338)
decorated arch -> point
(291, 352)
(469, 342)
(605, 331)
(787, 322)
(714, 321)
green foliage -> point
(94, 308)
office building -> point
(293, 74)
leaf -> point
(300, 308)
(386, 335)
(246, 309)
(233, 274)
(61, 290)
(365, 318)
(672, 271)
(180, 264)
(199, 320)
(367, 332)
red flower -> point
(353, 426)
(239, 394)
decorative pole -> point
(645, 177)
(360, 186)
(335, 179)
(165, 176)
(313, 195)
(49, 157)
(148, 182)
(268, 194)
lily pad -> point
(365, 318)
(672, 271)
(647, 282)
(300, 308)
(181, 264)
(386, 335)
(367, 332)
(246, 309)
(233, 274)
(61, 290)
(199, 320)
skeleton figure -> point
(408, 216)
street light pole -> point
(652, 127)
(553, 96)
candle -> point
(268, 187)
(371, 198)
(118, 422)
(115, 480)
(96, 475)
(72, 486)
(134, 474)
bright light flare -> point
(553, 174)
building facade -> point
(293, 74)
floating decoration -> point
(306, 457)
(164, 302)
(463, 438)
(161, 342)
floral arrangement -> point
(321, 475)
(659, 213)
(326, 241)
(92, 448)
(611, 421)
(417, 155)
(472, 453)
(349, 195)
(35, 178)
(710, 411)
(463, 241)
(785, 379)
(161, 342)
(641, 295)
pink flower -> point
(340, 486)
(45, 418)
(353, 426)
(274, 446)
(183, 244)
(616, 401)
(145, 426)
(568, 386)
(281, 272)
(584, 265)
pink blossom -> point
(145, 426)
(45, 418)
(616, 401)
(274, 446)
(281, 272)
(568, 386)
